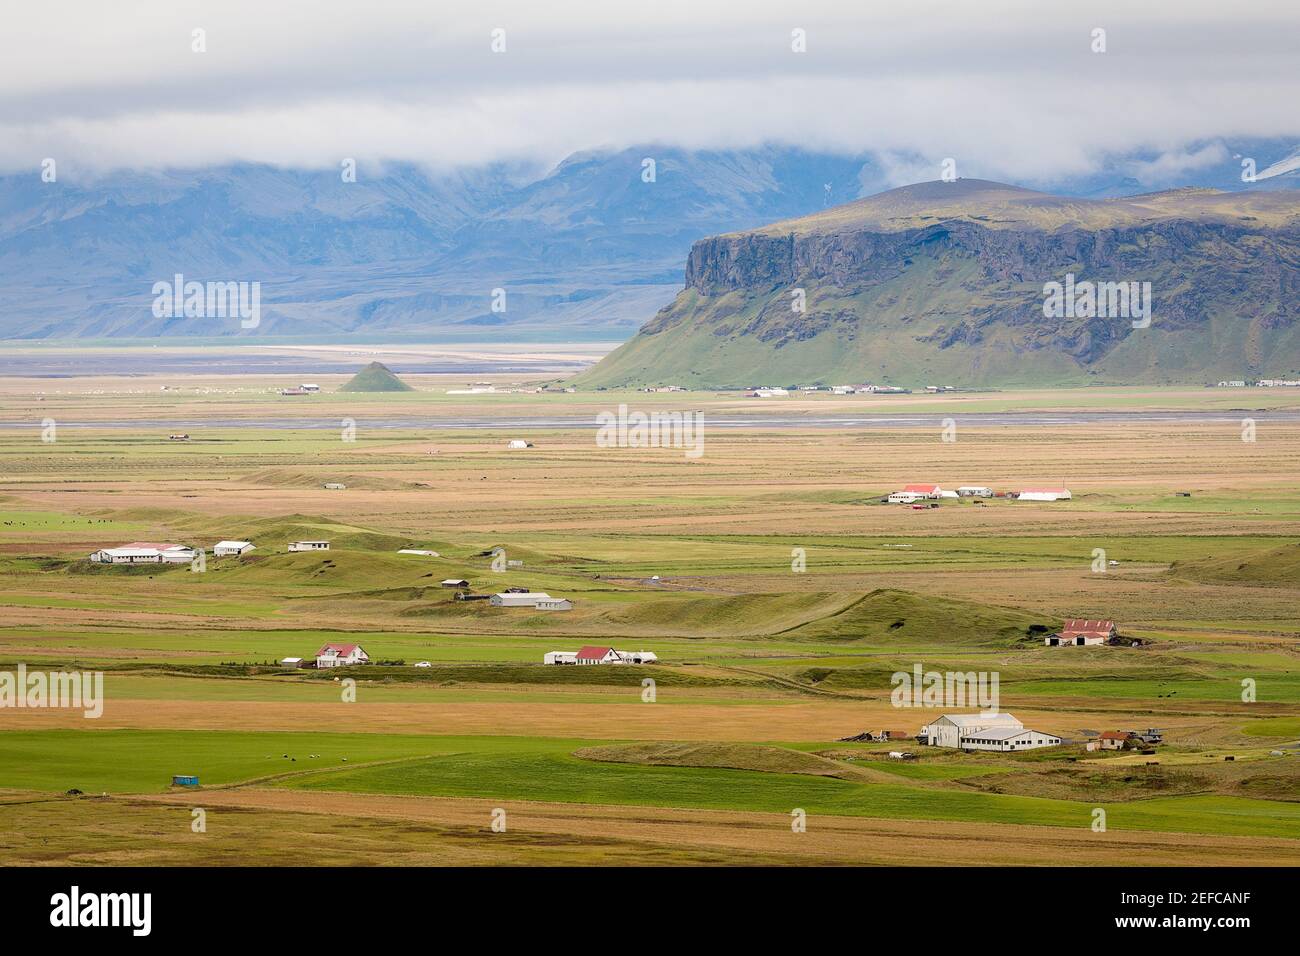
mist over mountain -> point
(589, 250)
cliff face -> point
(959, 293)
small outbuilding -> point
(225, 549)
(555, 604)
(455, 583)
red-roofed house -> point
(1081, 631)
(598, 655)
(340, 655)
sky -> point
(1012, 88)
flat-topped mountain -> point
(945, 283)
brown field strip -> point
(829, 839)
(795, 720)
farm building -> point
(223, 549)
(518, 443)
(335, 485)
(1007, 738)
(560, 657)
(144, 552)
(340, 655)
(923, 490)
(185, 780)
(422, 552)
(1114, 739)
(455, 583)
(180, 436)
(1079, 632)
(974, 491)
(309, 546)
(309, 387)
(291, 662)
(555, 604)
(598, 655)
(524, 599)
(638, 657)
(949, 729)
(1044, 494)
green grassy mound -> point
(376, 377)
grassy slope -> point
(880, 328)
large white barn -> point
(1001, 732)
(948, 729)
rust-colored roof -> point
(1079, 625)
(592, 653)
(921, 489)
(343, 650)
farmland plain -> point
(763, 668)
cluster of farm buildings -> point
(153, 552)
(911, 494)
(593, 654)
(1004, 733)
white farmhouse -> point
(224, 549)
(598, 655)
(340, 655)
(309, 546)
(560, 657)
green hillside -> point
(943, 283)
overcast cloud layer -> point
(1010, 89)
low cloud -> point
(1010, 90)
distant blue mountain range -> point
(589, 250)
